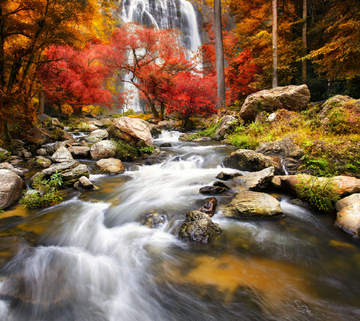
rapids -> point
(95, 262)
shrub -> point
(126, 151)
(318, 192)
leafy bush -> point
(147, 149)
(208, 132)
(44, 192)
(318, 192)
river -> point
(94, 261)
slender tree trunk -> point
(304, 40)
(7, 137)
(274, 43)
(219, 48)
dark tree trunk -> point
(219, 48)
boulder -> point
(226, 124)
(225, 176)
(211, 190)
(291, 97)
(198, 227)
(64, 166)
(55, 122)
(4, 151)
(248, 160)
(111, 165)
(168, 124)
(248, 204)
(342, 185)
(255, 181)
(153, 219)
(40, 162)
(284, 148)
(154, 130)
(131, 130)
(103, 149)
(79, 151)
(92, 128)
(97, 136)
(348, 215)
(61, 155)
(72, 175)
(6, 165)
(86, 183)
(36, 136)
(11, 186)
(209, 207)
(42, 152)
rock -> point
(202, 139)
(153, 219)
(209, 207)
(248, 204)
(248, 160)
(226, 124)
(342, 185)
(8, 166)
(294, 98)
(225, 176)
(40, 161)
(36, 136)
(198, 227)
(97, 136)
(4, 151)
(130, 130)
(221, 184)
(65, 136)
(157, 157)
(86, 183)
(348, 215)
(60, 167)
(11, 186)
(291, 165)
(168, 124)
(212, 190)
(111, 165)
(70, 176)
(165, 145)
(96, 123)
(55, 122)
(284, 148)
(154, 130)
(79, 151)
(61, 155)
(256, 181)
(92, 128)
(42, 152)
(103, 149)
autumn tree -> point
(27, 28)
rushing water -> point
(94, 261)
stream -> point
(95, 261)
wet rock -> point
(212, 190)
(168, 124)
(97, 136)
(226, 125)
(294, 98)
(42, 152)
(248, 160)
(202, 139)
(284, 148)
(92, 128)
(256, 181)
(291, 165)
(11, 186)
(36, 136)
(79, 151)
(55, 122)
(111, 166)
(103, 149)
(154, 130)
(72, 175)
(131, 130)
(4, 151)
(6, 165)
(209, 207)
(341, 185)
(60, 167)
(84, 183)
(15, 160)
(225, 176)
(61, 155)
(221, 184)
(165, 145)
(348, 215)
(153, 219)
(40, 162)
(253, 205)
(198, 227)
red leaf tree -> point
(191, 94)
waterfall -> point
(162, 14)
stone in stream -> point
(209, 207)
(212, 190)
(253, 205)
(84, 183)
(11, 186)
(40, 162)
(198, 227)
(285, 148)
(8, 166)
(79, 151)
(165, 145)
(255, 181)
(61, 155)
(103, 149)
(111, 166)
(97, 136)
(225, 176)
(226, 124)
(153, 219)
(348, 215)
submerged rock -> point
(209, 207)
(212, 190)
(348, 215)
(11, 186)
(198, 227)
(253, 205)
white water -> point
(162, 14)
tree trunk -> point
(274, 43)
(304, 41)
(7, 138)
(219, 48)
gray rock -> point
(291, 97)
(226, 124)
(11, 186)
(97, 136)
(248, 204)
(225, 176)
(42, 152)
(165, 145)
(61, 155)
(348, 215)
(211, 190)
(41, 162)
(284, 148)
(103, 149)
(198, 227)
(255, 181)
(79, 151)
(86, 183)
(72, 175)
(4, 151)
(60, 167)
(55, 122)
(8, 166)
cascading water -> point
(162, 14)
